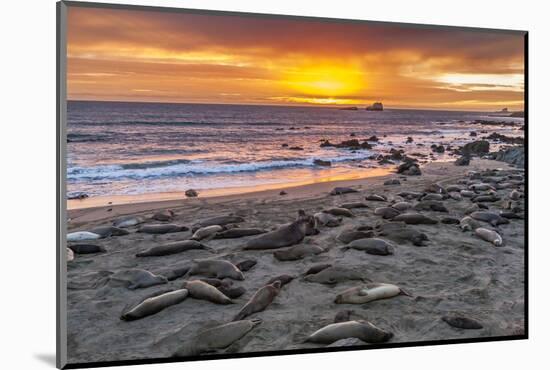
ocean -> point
(119, 148)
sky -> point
(130, 55)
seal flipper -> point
(405, 292)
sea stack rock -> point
(376, 107)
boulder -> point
(478, 147)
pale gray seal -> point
(151, 306)
(317, 268)
(174, 273)
(260, 300)
(489, 217)
(217, 337)
(172, 248)
(284, 279)
(339, 212)
(376, 198)
(368, 293)
(78, 236)
(402, 206)
(326, 219)
(430, 205)
(489, 235)
(467, 224)
(297, 252)
(166, 215)
(219, 220)
(238, 233)
(462, 322)
(334, 275)
(137, 278)
(201, 290)
(70, 255)
(108, 231)
(386, 212)
(467, 193)
(374, 246)
(207, 232)
(399, 232)
(216, 268)
(86, 248)
(415, 219)
(128, 221)
(359, 329)
(286, 235)
(162, 228)
(350, 235)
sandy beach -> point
(454, 273)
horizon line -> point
(333, 106)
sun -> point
(325, 81)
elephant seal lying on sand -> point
(360, 329)
(260, 300)
(286, 235)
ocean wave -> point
(177, 168)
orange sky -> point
(173, 57)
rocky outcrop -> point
(320, 162)
(512, 155)
(478, 147)
(463, 161)
(504, 138)
(347, 144)
(376, 107)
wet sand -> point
(454, 273)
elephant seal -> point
(232, 292)
(462, 322)
(201, 290)
(260, 300)
(78, 236)
(453, 188)
(334, 275)
(430, 205)
(435, 188)
(70, 255)
(481, 187)
(410, 195)
(297, 252)
(166, 215)
(343, 316)
(359, 329)
(217, 337)
(172, 248)
(317, 268)
(374, 246)
(511, 215)
(342, 190)
(415, 219)
(450, 221)
(376, 198)
(285, 235)
(86, 248)
(326, 219)
(162, 228)
(151, 306)
(489, 235)
(238, 233)
(220, 220)
(467, 193)
(206, 232)
(368, 293)
(402, 206)
(353, 205)
(246, 265)
(349, 236)
(432, 196)
(386, 212)
(490, 217)
(486, 198)
(128, 221)
(339, 212)
(467, 224)
(399, 232)
(216, 268)
(284, 279)
(514, 195)
(174, 273)
(108, 231)
(137, 278)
